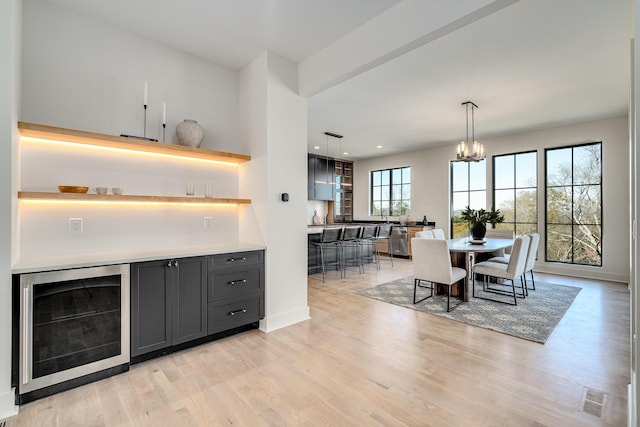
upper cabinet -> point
(343, 199)
(320, 178)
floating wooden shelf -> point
(41, 195)
(96, 139)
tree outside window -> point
(468, 188)
(515, 191)
(574, 204)
(391, 192)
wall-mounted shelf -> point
(96, 139)
(51, 196)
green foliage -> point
(473, 217)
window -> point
(574, 204)
(515, 191)
(468, 188)
(391, 192)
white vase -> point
(189, 133)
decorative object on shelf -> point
(208, 190)
(190, 187)
(117, 191)
(478, 219)
(316, 218)
(144, 126)
(144, 129)
(72, 189)
(189, 133)
(164, 120)
(100, 190)
(424, 220)
(470, 150)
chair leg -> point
(322, 261)
(513, 287)
(416, 284)
(533, 281)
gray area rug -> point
(533, 319)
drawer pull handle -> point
(234, 282)
(237, 259)
(233, 313)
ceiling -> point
(527, 64)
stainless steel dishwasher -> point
(399, 241)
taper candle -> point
(145, 93)
(164, 113)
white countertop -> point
(62, 262)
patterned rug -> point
(533, 319)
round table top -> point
(490, 244)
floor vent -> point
(593, 402)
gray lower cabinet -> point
(235, 292)
(168, 303)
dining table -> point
(470, 248)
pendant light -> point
(470, 150)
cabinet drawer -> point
(235, 259)
(235, 282)
(233, 313)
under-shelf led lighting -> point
(124, 202)
(124, 150)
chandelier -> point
(470, 150)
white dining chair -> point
(425, 234)
(511, 271)
(438, 233)
(532, 253)
(432, 264)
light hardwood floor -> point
(362, 362)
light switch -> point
(75, 225)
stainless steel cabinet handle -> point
(175, 263)
(233, 313)
(237, 259)
(234, 282)
(169, 264)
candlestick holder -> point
(144, 129)
(164, 128)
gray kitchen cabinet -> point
(168, 303)
(320, 178)
(235, 290)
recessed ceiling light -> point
(316, 148)
(378, 146)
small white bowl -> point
(116, 190)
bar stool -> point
(384, 233)
(330, 240)
(368, 245)
(351, 239)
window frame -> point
(390, 198)
(468, 190)
(573, 224)
(515, 189)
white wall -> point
(10, 24)
(274, 123)
(430, 186)
(81, 74)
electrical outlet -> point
(75, 225)
(208, 222)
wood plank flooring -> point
(361, 362)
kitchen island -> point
(314, 233)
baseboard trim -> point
(578, 271)
(8, 408)
(632, 410)
(272, 323)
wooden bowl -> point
(72, 189)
